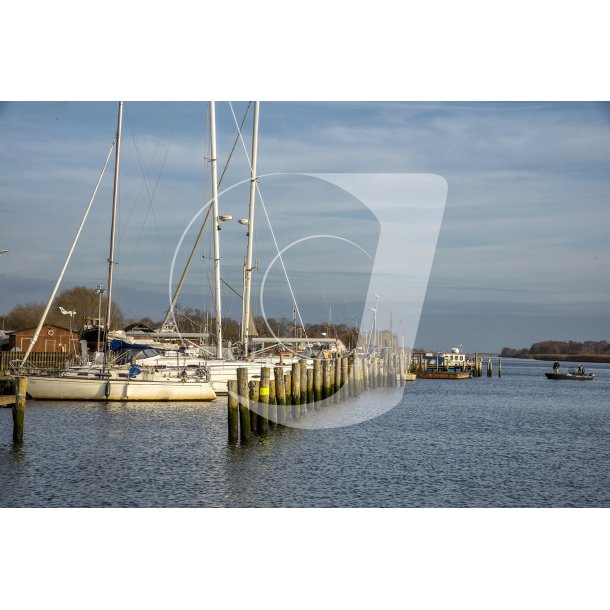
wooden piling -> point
(262, 422)
(499, 367)
(344, 378)
(361, 383)
(336, 380)
(21, 388)
(375, 372)
(310, 393)
(296, 389)
(401, 368)
(325, 378)
(233, 410)
(489, 367)
(272, 408)
(350, 377)
(254, 389)
(318, 376)
(244, 411)
(288, 386)
(280, 394)
(303, 386)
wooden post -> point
(401, 368)
(244, 411)
(499, 367)
(296, 389)
(254, 389)
(262, 422)
(317, 382)
(21, 387)
(272, 403)
(303, 387)
(360, 374)
(280, 394)
(309, 388)
(344, 372)
(350, 377)
(336, 379)
(325, 378)
(233, 410)
(489, 368)
(288, 386)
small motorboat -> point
(575, 374)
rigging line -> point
(239, 131)
(152, 195)
(195, 245)
(186, 268)
(142, 184)
(68, 257)
(233, 289)
(182, 313)
(294, 301)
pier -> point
(448, 366)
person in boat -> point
(556, 367)
(581, 369)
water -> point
(518, 441)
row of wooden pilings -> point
(257, 405)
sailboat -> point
(221, 369)
(108, 382)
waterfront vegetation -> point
(586, 351)
(86, 303)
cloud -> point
(526, 213)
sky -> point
(521, 255)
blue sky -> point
(522, 253)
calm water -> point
(518, 441)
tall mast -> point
(245, 322)
(215, 229)
(115, 195)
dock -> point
(444, 375)
(7, 401)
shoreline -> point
(597, 358)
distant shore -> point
(601, 358)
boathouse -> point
(52, 338)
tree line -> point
(86, 303)
(568, 348)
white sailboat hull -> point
(72, 388)
(221, 373)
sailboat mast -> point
(245, 323)
(215, 229)
(115, 196)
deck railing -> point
(44, 361)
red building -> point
(52, 338)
